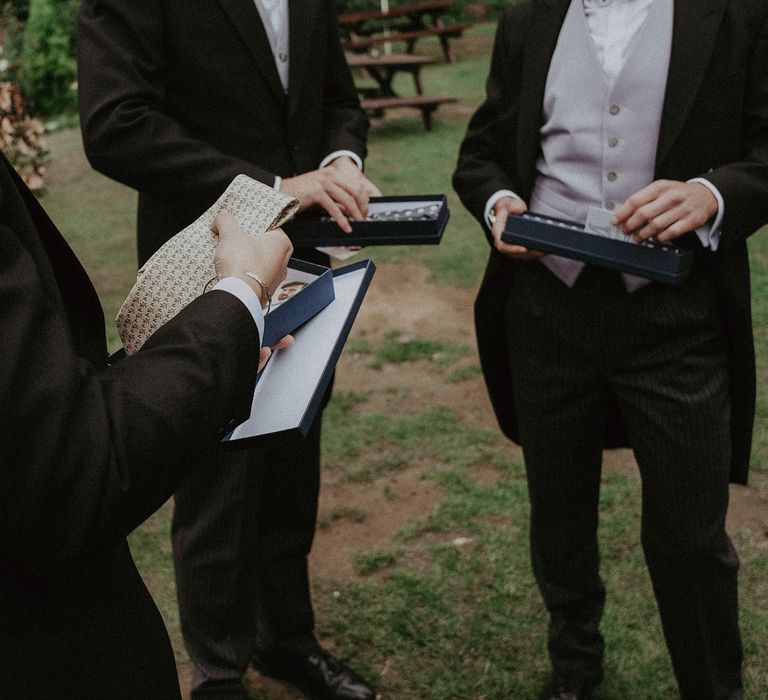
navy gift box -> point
(404, 220)
(291, 387)
(661, 262)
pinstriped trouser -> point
(243, 526)
(660, 353)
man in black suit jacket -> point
(669, 370)
(177, 99)
(89, 451)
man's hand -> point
(340, 188)
(237, 253)
(666, 209)
(265, 353)
(501, 210)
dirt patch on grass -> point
(401, 297)
(358, 518)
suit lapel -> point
(540, 43)
(247, 22)
(693, 36)
(302, 23)
(66, 283)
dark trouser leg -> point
(242, 528)
(660, 351)
(560, 410)
(285, 530)
(214, 589)
(674, 398)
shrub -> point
(47, 70)
(21, 137)
(19, 8)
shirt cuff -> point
(337, 154)
(243, 291)
(278, 182)
(710, 235)
(495, 197)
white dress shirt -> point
(613, 25)
(243, 291)
(274, 17)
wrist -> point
(252, 279)
(260, 287)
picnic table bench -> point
(426, 103)
(382, 96)
(408, 23)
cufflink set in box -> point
(661, 262)
(403, 220)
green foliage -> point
(13, 39)
(47, 69)
(17, 8)
(21, 137)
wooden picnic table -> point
(384, 67)
(415, 13)
(408, 23)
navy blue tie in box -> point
(652, 260)
(306, 290)
(405, 220)
(290, 389)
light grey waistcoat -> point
(274, 17)
(598, 142)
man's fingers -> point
(499, 224)
(517, 251)
(335, 212)
(637, 200)
(651, 214)
(264, 355)
(350, 192)
(348, 201)
(287, 341)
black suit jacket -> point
(87, 453)
(177, 97)
(714, 124)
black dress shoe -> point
(314, 672)
(558, 690)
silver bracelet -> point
(215, 278)
(264, 288)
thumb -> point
(225, 226)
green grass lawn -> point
(430, 619)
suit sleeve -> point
(87, 452)
(121, 86)
(346, 126)
(484, 155)
(744, 184)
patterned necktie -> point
(179, 271)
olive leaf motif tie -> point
(179, 270)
